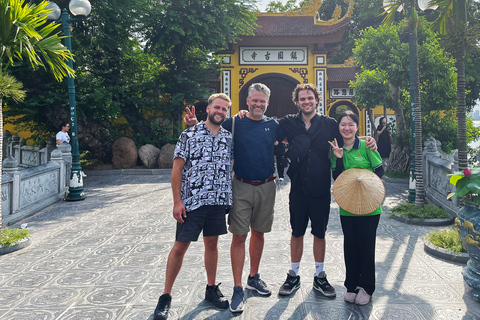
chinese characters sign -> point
(342, 93)
(274, 55)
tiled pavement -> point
(104, 258)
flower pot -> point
(468, 225)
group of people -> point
(205, 189)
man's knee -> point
(210, 242)
(257, 234)
(239, 239)
(180, 247)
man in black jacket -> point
(308, 134)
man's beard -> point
(211, 118)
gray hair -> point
(259, 87)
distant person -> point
(359, 231)
(62, 135)
(281, 160)
(202, 192)
(384, 140)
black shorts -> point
(210, 219)
(303, 208)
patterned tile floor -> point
(104, 258)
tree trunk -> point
(1, 157)
(399, 116)
(372, 122)
(461, 111)
(419, 190)
(400, 156)
(399, 160)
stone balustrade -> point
(436, 166)
(27, 156)
(27, 189)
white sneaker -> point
(280, 179)
(362, 297)
(350, 297)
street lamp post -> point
(80, 9)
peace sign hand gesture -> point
(336, 149)
(190, 118)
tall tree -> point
(382, 63)
(127, 73)
(452, 25)
(408, 7)
(183, 34)
(25, 34)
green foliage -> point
(136, 61)
(380, 50)
(447, 239)
(372, 89)
(467, 184)
(10, 236)
(25, 34)
(365, 14)
(278, 6)
(11, 88)
(412, 211)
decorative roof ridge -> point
(312, 10)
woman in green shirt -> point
(359, 231)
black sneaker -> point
(321, 284)
(214, 295)
(290, 285)
(163, 306)
(257, 284)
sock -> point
(318, 268)
(296, 267)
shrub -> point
(10, 236)
(448, 239)
(412, 211)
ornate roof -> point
(285, 26)
(340, 74)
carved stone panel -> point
(6, 198)
(38, 187)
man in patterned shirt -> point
(202, 191)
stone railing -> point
(436, 166)
(29, 190)
(27, 156)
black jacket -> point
(312, 174)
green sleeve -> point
(374, 157)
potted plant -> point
(467, 183)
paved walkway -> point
(104, 258)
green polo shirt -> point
(359, 156)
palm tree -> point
(452, 25)
(25, 34)
(391, 7)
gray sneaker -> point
(255, 283)
(238, 300)
(290, 285)
(321, 284)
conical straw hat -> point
(358, 191)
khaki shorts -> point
(252, 207)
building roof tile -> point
(341, 74)
(285, 26)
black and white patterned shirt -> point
(207, 174)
